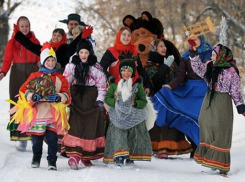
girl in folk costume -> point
(42, 112)
(22, 63)
(85, 140)
(127, 136)
(216, 117)
(179, 102)
(58, 42)
(161, 67)
(123, 46)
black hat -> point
(75, 17)
(127, 63)
(85, 44)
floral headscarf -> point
(224, 60)
(224, 57)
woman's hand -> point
(147, 91)
(208, 62)
(167, 86)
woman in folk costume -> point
(161, 67)
(124, 47)
(216, 117)
(179, 102)
(127, 136)
(85, 140)
(42, 112)
(58, 42)
(22, 63)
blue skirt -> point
(180, 108)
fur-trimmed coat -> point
(139, 98)
(128, 102)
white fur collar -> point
(125, 87)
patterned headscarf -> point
(224, 60)
(224, 57)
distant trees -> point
(107, 15)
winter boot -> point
(221, 172)
(162, 156)
(73, 162)
(22, 146)
(86, 162)
(119, 161)
(129, 162)
(35, 163)
(52, 163)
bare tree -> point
(4, 27)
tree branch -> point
(89, 9)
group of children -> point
(45, 94)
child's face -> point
(125, 37)
(24, 26)
(50, 63)
(161, 48)
(56, 37)
(126, 74)
(214, 56)
(83, 55)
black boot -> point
(129, 162)
(52, 163)
(119, 161)
(194, 147)
(35, 163)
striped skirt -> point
(216, 124)
(85, 138)
(133, 143)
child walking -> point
(216, 117)
(47, 95)
(85, 140)
(127, 136)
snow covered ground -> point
(15, 166)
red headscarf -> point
(30, 35)
(118, 44)
(56, 45)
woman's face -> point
(125, 37)
(83, 55)
(161, 48)
(24, 26)
(126, 74)
(56, 37)
(50, 63)
(214, 56)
